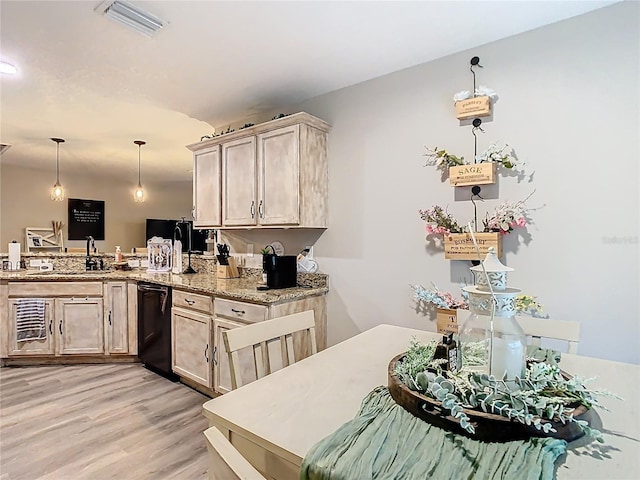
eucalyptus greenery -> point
(543, 393)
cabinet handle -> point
(253, 208)
(51, 327)
(261, 210)
(190, 302)
(60, 327)
(206, 350)
(239, 312)
(109, 317)
(215, 352)
(193, 212)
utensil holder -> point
(228, 271)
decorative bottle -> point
(119, 256)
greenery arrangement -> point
(543, 393)
(524, 303)
(505, 218)
(497, 153)
(439, 222)
(442, 159)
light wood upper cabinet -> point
(206, 188)
(80, 326)
(279, 176)
(116, 319)
(274, 174)
(192, 345)
(44, 346)
(239, 192)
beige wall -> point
(569, 106)
(25, 202)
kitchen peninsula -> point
(91, 316)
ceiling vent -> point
(131, 16)
(4, 147)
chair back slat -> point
(276, 333)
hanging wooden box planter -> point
(476, 174)
(446, 321)
(473, 107)
(459, 246)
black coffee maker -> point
(281, 270)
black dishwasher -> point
(154, 328)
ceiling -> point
(100, 85)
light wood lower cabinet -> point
(73, 326)
(80, 326)
(192, 345)
(222, 373)
(81, 318)
(116, 319)
(45, 346)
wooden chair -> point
(261, 335)
(538, 328)
(225, 462)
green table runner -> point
(384, 441)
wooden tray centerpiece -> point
(490, 427)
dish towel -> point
(30, 321)
(384, 441)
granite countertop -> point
(243, 289)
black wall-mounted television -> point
(166, 228)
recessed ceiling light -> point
(8, 68)
(131, 16)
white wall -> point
(569, 106)
(25, 202)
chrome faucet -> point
(90, 264)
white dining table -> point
(275, 421)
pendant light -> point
(138, 195)
(57, 192)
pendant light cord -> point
(139, 165)
(57, 162)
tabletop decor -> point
(496, 389)
(544, 402)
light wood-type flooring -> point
(113, 421)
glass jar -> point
(497, 354)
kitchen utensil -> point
(223, 257)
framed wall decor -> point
(86, 218)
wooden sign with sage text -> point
(475, 174)
(473, 107)
(459, 246)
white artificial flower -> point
(484, 91)
(462, 95)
